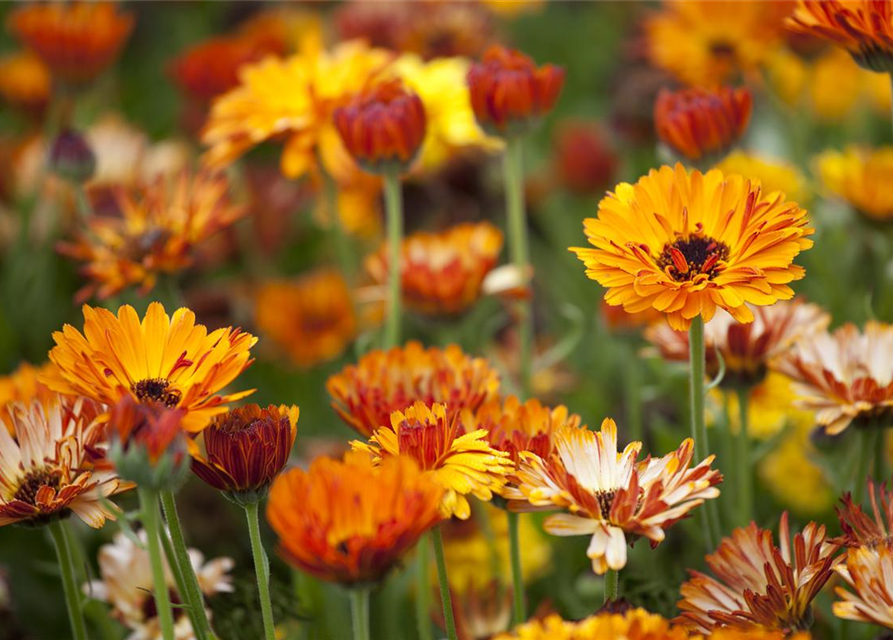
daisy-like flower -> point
(866, 572)
(844, 376)
(748, 350)
(77, 41)
(367, 393)
(442, 273)
(773, 175)
(24, 82)
(312, 319)
(156, 233)
(168, 360)
(862, 178)
(126, 584)
(460, 463)
(352, 521)
(758, 584)
(23, 386)
(53, 466)
(686, 243)
(608, 494)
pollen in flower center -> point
(423, 442)
(156, 390)
(605, 500)
(27, 491)
(687, 258)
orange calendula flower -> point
(862, 27)
(609, 495)
(844, 376)
(382, 127)
(23, 386)
(53, 465)
(460, 463)
(633, 624)
(168, 360)
(76, 40)
(866, 572)
(862, 178)
(701, 122)
(312, 319)
(245, 449)
(584, 160)
(509, 93)
(442, 273)
(686, 243)
(759, 585)
(352, 521)
(367, 393)
(24, 82)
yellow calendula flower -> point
(861, 177)
(773, 175)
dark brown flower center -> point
(687, 258)
(150, 608)
(722, 49)
(27, 491)
(156, 390)
(605, 500)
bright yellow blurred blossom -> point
(770, 408)
(862, 177)
(774, 175)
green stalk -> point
(516, 221)
(181, 566)
(445, 598)
(880, 455)
(423, 619)
(518, 613)
(69, 584)
(151, 518)
(742, 457)
(359, 608)
(697, 366)
(393, 196)
(612, 585)
(262, 569)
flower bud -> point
(72, 158)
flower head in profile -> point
(686, 243)
(367, 393)
(610, 496)
(844, 376)
(241, 452)
(53, 466)
(311, 319)
(161, 359)
(866, 572)
(462, 464)
(585, 162)
(442, 273)
(25, 82)
(701, 122)
(77, 41)
(861, 178)
(861, 529)
(352, 521)
(759, 585)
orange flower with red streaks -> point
(701, 122)
(77, 40)
(584, 161)
(509, 93)
(151, 432)
(351, 522)
(866, 572)
(860, 529)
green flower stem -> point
(359, 608)
(181, 566)
(518, 613)
(697, 366)
(423, 619)
(612, 585)
(880, 455)
(151, 521)
(393, 196)
(69, 584)
(742, 457)
(516, 221)
(262, 569)
(445, 598)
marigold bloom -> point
(23, 386)
(509, 93)
(163, 359)
(758, 584)
(867, 572)
(77, 40)
(634, 624)
(862, 178)
(245, 449)
(687, 243)
(148, 443)
(584, 161)
(701, 122)
(24, 82)
(862, 27)
(773, 175)
(609, 495)
(366, 394)
(53, 465)
(442, 273)
(352, 521)
(312, 319)
(844, 376)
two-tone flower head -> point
(758, 584)
(367, 393)
(54, 466)
(162, 359)
(702, 123)
(862, 27)
(442, 273)
(845, 377)
(463, 464)
(861, 529)
(352, 521)
(861, 177)
(608, 495)
(241, 452)
(686, 243)
(509, 93)
(867, 573)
